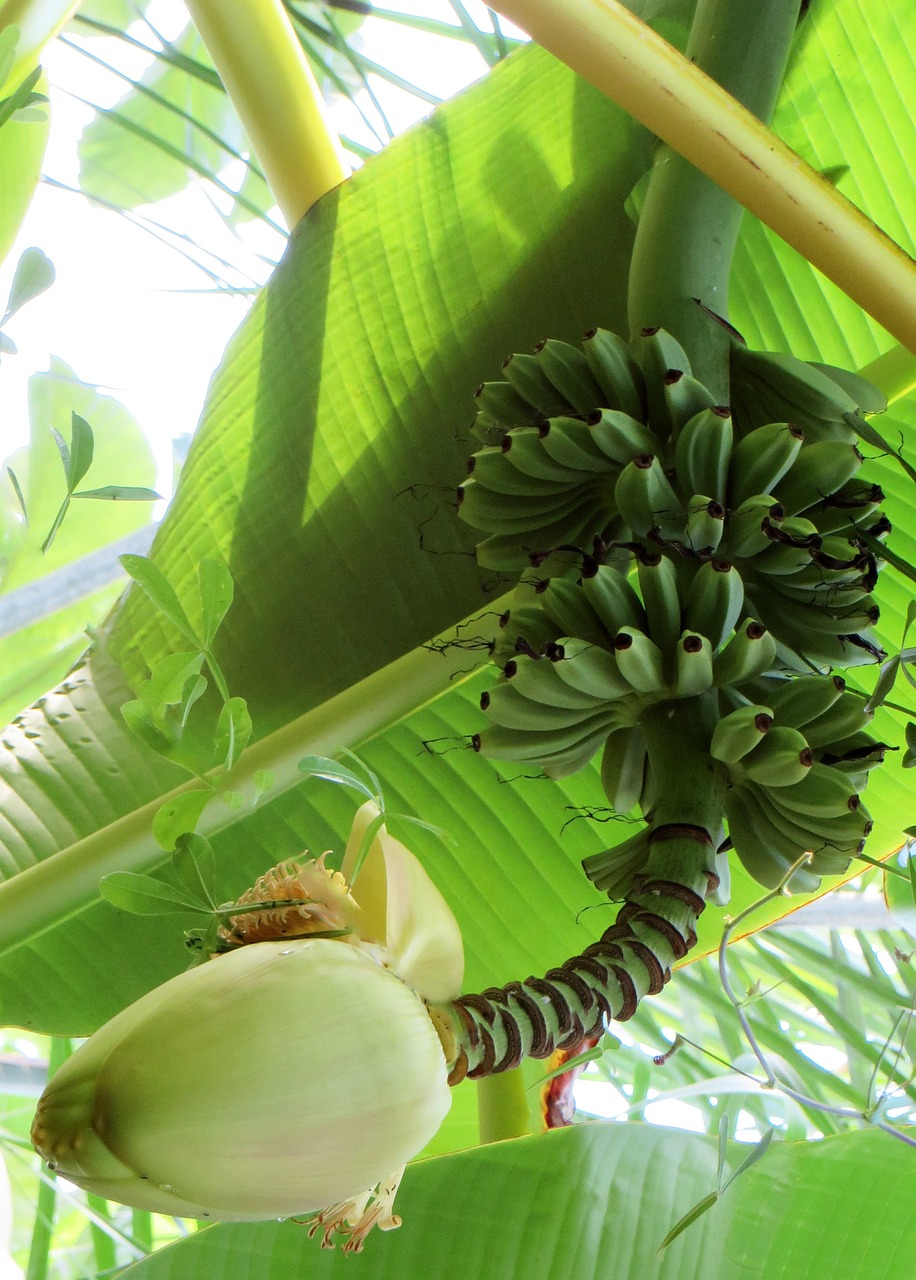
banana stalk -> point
(621, 56)
(262, 65)
(495, 1029)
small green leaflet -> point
(365, 845)
(34, 274)
(146, 896)
(21, 98)
(232, 731)
(178, 817)
(20, 497)
(150, 578)
(332, 771)
(120, 493)
(702, 1206)
(216, 592)
(195, 865)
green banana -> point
(782, 759)
(623, 766)
(763, 850)
(589, 669)
(614, 870)
(539, 680)
(524, 449)
(621, 437)
(703, 452)
(693, 665)
(639, 660)
(658, 354)
(527, 376)
(645, 499)
(744, 527)
(492, 468)
(568, 370)
(705, 524)
(715, 600)
(849, 505)
(801, 699)
(684, 398)
(739, 732)
(523, 629)
(517, 515)
(847, 715)
(822, 793)
(768, 386)
(568, 604)
(751, 652)
(616, 372)
(658, 586)
(818, 471)
(558, 752)
(570, 442)
(831, 836)
(761, 459)
(499, 408)
(507, 706)
(613, 599)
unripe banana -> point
(616, 372)
(517, 515)
(705, 524)
(802, 699)
(761, 459)
(568, 605)
(855, 756)
(614, 870)
(524, 449)
(568, 370)
(506, 705)
(499, 408)
(782, 562)
(493, 469)
(762, 849)
(744, 527)
(685, 397)
(703, 453)
(658, 354)
(782, 759)
(589, 669)
(623, 765)
(842, 835)
(646, 500)
(768, 386)
(847, 715)
(822, 793)
(570, 442)
(639, 660)
(558, 752)
(621, 437)
(527, 376)
(523, 629)
(539, 680)
(658, 586)
(819, 470)
(738, 733)
(750, 653)
(613, 599)
(850, 505)
(693, 665)
(715, 601)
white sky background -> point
(129, 314)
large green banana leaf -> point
(595, 1202)
(323, 474)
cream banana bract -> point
(286, 1076)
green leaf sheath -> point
(688, 226)
(655, 928)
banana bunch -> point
(796, 767)
(583, 660)
(616, 450)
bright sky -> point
(130, 314)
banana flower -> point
(287, 1075)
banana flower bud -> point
(287, 1075)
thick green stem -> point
(688, 226)
(495, 1029)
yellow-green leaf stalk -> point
(290, 1074)
(265, 72)
(37, 22)
(604, 42)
